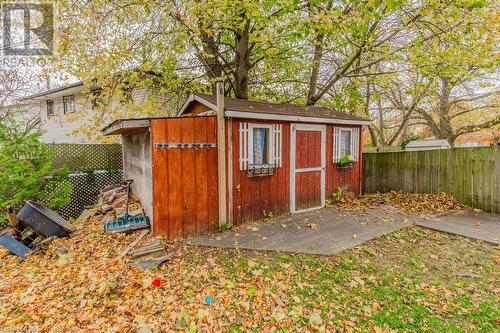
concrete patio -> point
(322, 232)
(328, 231)
(472, 224)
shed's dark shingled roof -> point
(243, 105)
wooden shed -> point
(224, 161)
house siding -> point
(252, 196)
(67, 128)
(64, 128)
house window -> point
(261, 145)
(345, 142)
(50, 108)
(69, 104)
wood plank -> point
(160, 179)
(188, 179)
(236, 172)
(133, 244)
(201, 179)
(174, 169)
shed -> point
(258, 159)
(427, 144)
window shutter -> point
(277, 145)
(243, 149)
(336, 144)
(355, 143)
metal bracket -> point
(185, 145)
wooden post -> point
(221, 152)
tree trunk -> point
(373, 136)
(445, 129)
(242, 62)
(381, 123)
(213, 67)
(313, 80)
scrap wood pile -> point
(111, 204)
(115, 202)
(404, 201)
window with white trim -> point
(345, 142)
(259, 146)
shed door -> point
(307, 167)
(184, 157)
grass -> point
(406, 281)
(412, 280)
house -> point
(25, 113)
(224, 161)
(427, 144)
(63, 112)
(484, 138)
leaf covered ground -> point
(404, 201)
(412, 280)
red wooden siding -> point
(184, 180)
(307, 155)
(185, 195)
(348, 179)
(252, 196)
(196, 108)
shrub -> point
(346, 160)
(409, 138)
(27, 171)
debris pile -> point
(404, 201)
(113, 208)
(32, 229)
(111, 204)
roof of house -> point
(56, 92)
(428, 143)
(266, 108)
(71, 89)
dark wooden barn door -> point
(307, 172)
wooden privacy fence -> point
(471, 175)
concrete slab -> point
(323, 232)
(478, 225)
